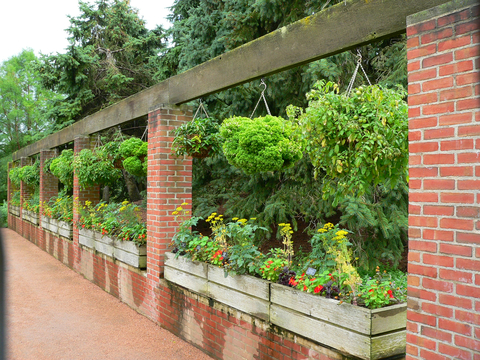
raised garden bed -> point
(30, 216)
(14, 210)
(353, 330)
(58, 227)
(127, 252)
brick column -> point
(444, 134)
(9, 195)
(80, 196)
(169, 184)
(25, 194)
(48, 189)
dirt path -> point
(54, 313)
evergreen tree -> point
(111, 55)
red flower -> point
(318, 289)
(390, 293)
(270, 262)
(371, 290)
(305, 288)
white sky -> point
(40, 24)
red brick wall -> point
(444, 133)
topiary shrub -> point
(14, 175)
(134, 166)
(261, 144)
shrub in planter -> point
(62, 168)
(198, 138)
(329, 272)
(60, 207)
(261, 144)
(33, 204)
(15, 199)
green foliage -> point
(4, 215)
(197, 138)
(359, 140)
(94, 167)
(60, 207)
(134, 150)
(62, 168)
(30, 174)
(133, 147)
(23, 103)
(383, 289)
(15, 199)
(33, 203)
(134, 166)
(260, 144)
(14, 175)
(122, 220)
(111, 55)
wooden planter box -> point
(65, 229)
(30, 216)
(127, 252)
(352, 330)
(14, 210)
(57, 227)
(130, 253)
(86, 238)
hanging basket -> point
(202, 154)
(118, 164)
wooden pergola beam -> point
(339, 28)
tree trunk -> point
(106, 194)
(132, 187)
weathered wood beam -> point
(331, 31)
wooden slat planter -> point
(57, 227)
(353, 330)
(130, 253)
(127, 252)
(30, 216)
(65, 229)
(367, 334)
(86, 238)
(14, 210)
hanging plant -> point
(30, 174)
(95, 167)
(134, 152)
(261, 144)
(357, 141)
(198, 138)
(14, 176)
(62, 168)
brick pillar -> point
(9, 194)
(169, 184)
(25, 194)
(80, 196)
(48, 189)
(444, 222)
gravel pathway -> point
(54, 313)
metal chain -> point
(262, 96)
(200, 106)
(352, 80)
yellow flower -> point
(179, 208)
(253, 218)
(176, 213)
(184, 203)
(125, 202)
(235, 218)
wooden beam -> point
(331, 31)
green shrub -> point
(30, 174)
(95, 167)
(197, 138)
(261, 144)
(14, 175)
(134, 166)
